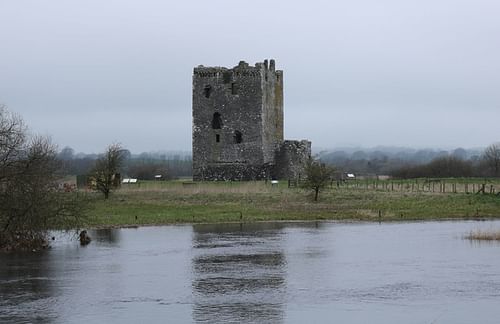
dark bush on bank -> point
(30, 201)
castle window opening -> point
(238, 137)
(217, 138)
(234, 88)
(207, 90)
(216, 121)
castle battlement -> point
(243, 69)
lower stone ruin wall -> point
(235, 172)
(290, 162)
(291, 159)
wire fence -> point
(426, 185)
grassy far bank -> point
(177, 202)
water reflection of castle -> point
(238, 273)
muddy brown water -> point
(259, 273)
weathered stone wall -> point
(234, 171)
(272, 102)
(237, 125)
(291, 159)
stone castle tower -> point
(238, 125)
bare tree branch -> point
(30, 202)
(106, 169)
(318, 175)
(491, 156)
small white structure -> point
(129, 180)
(274, 182)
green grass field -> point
(174, 202)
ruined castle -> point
(238, 125)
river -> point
(259, 273)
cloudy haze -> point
(360, 72)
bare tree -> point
(107, 168)
(30, 202)
(491, 156)
(12, 139)
(318, 175)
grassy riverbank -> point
(177, 202)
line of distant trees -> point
(488, 165)
(443, 167)
(416, 164)
(142, 166)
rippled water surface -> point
(259, 273)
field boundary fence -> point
(420, 185)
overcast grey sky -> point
(423, 73)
